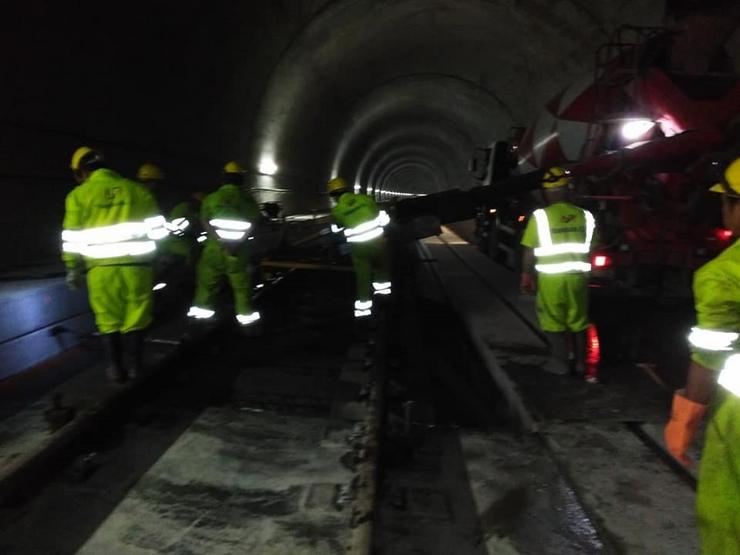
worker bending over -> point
(111, 225)
(358, 218)
(180, 247)
(229, 216)
(715, 359)
(557, 243)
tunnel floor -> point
(244, 446)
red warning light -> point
(601, 261)
(593, 346)
(520, 218)
(723, 234)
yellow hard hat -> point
(335, 185)
(149, 171)
(233, 167)
(79, 154)
(554, 178)
(731, 183)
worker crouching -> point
(557, 243)
(111, 226)
(362, 224)
(229, 217)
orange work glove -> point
(526, 284)
(686, 415)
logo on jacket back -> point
(567, 218)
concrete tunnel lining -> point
(350, 46)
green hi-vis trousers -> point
(121, 297)
(215, 263)
(718, 491)
(371, 261)
(562, 302)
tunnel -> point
(392, 95)
(445, 113)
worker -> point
(111, 225)
(229, 216)
(150, 175)
(559, 237)
(714, 344)
(358, 218)
(182, 221)
(184, 227)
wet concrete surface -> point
(631, 499)
(201, 466)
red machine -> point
(644, 138)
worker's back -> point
(561, 235)
(103, 201)
(353, 209)
(230, 202)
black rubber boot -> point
(135, 349)
(114, 348)
(558, 361)
(579, 350)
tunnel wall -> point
(321, 85)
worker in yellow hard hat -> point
(111, 227)
(229, 215)
(150, 174)
(557, 241)
(715, 358)
(359, 220)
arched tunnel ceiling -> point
(324, 86)
(480, 65)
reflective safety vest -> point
(563, 257)
(110, 220)
(358, 218)
(230, 213)
(717, 303)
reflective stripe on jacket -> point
(717, 304)
(358, 217)
(561, 236)
(231, 213)
(110, 220)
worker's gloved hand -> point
(526, 284)
(73, 278)
(686, 416)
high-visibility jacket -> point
(717, 303)
(714, 344)
(358, 217)
(231, 213)
(110, 220)
(183, 226)
(561, 236)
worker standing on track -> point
(229, 217)
(111, 225)
(357, 216)
(559, 237)
(715, 359)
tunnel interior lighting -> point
(636, 128)
(268, 166)
(159, 286)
